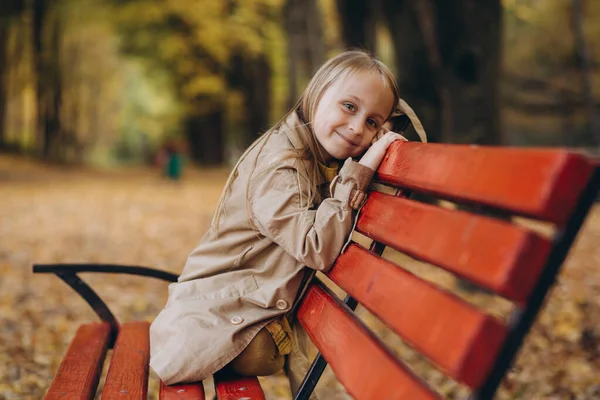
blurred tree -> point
(46, 49)
(17, 75)
(9, 11)
(584, 64)
(542, 85)
(216, 52)
(358, 20)
(306, 45)
(97, 96)
(448, 58)
(4, 26)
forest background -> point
(109, 82)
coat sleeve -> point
(314, 237)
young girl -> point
(285, 207)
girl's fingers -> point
(393, 136)
(372, 158)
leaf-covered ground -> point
(52, 214)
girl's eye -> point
(372, 123)
(349, 106)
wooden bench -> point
(468, 345)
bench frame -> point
(520, 320)
(68, 273)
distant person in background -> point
(170, 159)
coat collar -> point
(295, 131)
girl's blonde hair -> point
(342, 66)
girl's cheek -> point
(363, 149)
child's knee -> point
(261, 357)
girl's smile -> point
(350, 142)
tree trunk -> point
(46, 52)
(315, 50)
(39, 15)
(583, 60)
(17, 80)
(256, 87)
(8, 11)
(205, 137)
(414, 72)
(306, 45)
(448, 55)
(251, 75)
(55, 142)
(4, 24)
(427, 21)
(293, 22)
(358, 22)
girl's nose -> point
(356, 125)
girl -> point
(285, 207)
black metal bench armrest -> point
(68, 273)
(105, 268)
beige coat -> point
(233, 284)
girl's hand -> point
(374, 155)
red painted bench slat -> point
(362, 365)
(494, 254)
(184, 391)
(238, 387)
(79, 371)
(538, 183)
(127, 377)
(458, 338)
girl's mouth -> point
(346, 139)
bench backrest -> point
(467, 344)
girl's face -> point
(350, 113)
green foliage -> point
(195, 40)
(202, 46)
(108, 98)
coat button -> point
(237, 320)
(281, 304)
